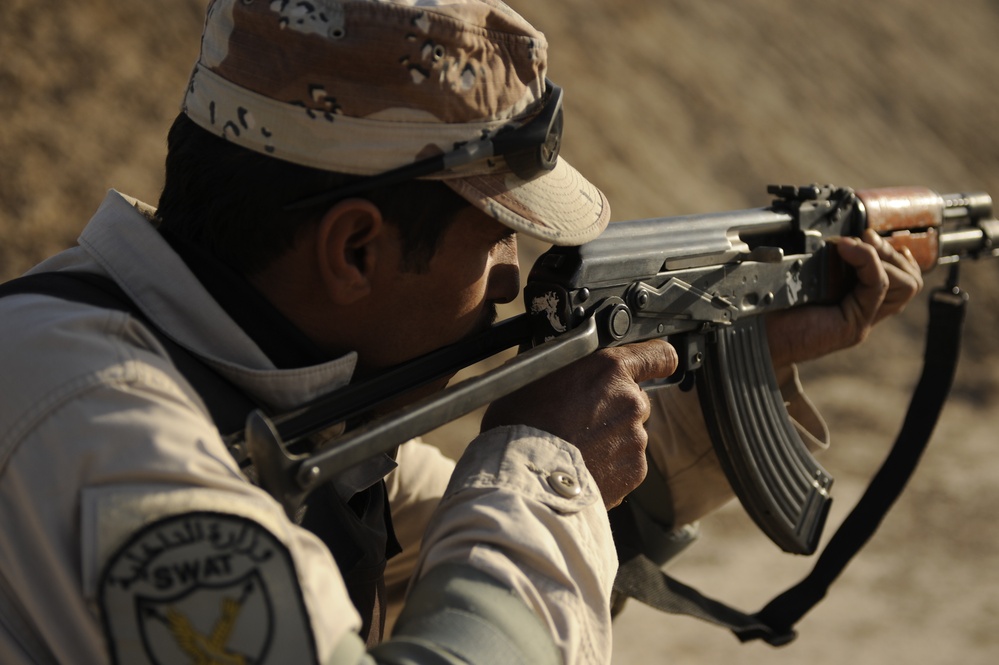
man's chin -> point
(486, 321)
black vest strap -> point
(359, 533)
(640, 578)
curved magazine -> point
(782, 487)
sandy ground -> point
(672, 107)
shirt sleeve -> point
(522, 508)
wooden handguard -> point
(906, 217)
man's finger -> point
(652, 359)
(864, 258)
(872, 278)
(905, 279)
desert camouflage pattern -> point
(364, 86)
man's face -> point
(474, 268)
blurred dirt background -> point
(672, 107)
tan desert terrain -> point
(673, 107)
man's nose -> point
(504, 283)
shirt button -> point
(564, 484)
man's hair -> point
(230, 200)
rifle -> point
(703, 282)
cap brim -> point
(561, 206)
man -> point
(289, 256)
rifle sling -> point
(640, 578)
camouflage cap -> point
(365, 86)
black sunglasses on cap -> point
(529, 150)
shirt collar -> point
(125, 245)
(281, 341)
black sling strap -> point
(640, 578)
(227, 404)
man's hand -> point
(596, 405)
(886, 281)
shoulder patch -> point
(204, 588)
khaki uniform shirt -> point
(125, 516)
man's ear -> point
(347, 248)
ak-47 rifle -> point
(703, 282)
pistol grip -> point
(780, 484)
